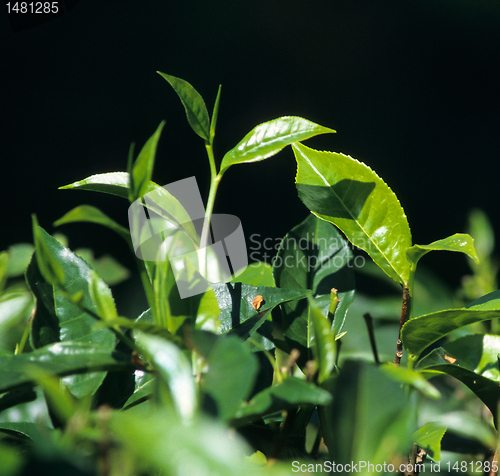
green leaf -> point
(215, 114)
(477, 352)
(101, 297)
(429, 437)
(420, 332)
(371, 413)
(114, 183)
(66, 312)
(107, 267)
(142, 170)
(269, 138)
(174, 369)
(235, 302)
(484, 388)
(62, 358)
(204, 447)
(458, 242)
(4, 263)
(256, 274)
(410, 377)
(230, 378)
(19, 259)
(290, 394)
(347, 193)
(50, 268)
(468, 425)
(324, 342)
(315, 256)
(196, 111)
(34, 431)
(90, 214)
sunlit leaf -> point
(347, 193)
(66, 311)
(459, 242)
(114, 183)
(410, 377)
(236, 302)
(142, 169)
(429, 437)
(256, 274)
(420, 332)
(101, 297)
(174, 369)
(269, 138)
(62, 358)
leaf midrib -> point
(325, 181)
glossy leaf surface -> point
(67, 312)
(460, 242)
(256, 274)
(62, 358)
(142, 169)
(114, 183)
(347, 193)
(174, 369)
(235, 301)
(269, 138)
(315, 256)
(477, 352)
(196, 111)
(49, 266)
(420, 332)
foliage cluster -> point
(276, 369)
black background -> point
(412, 88)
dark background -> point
(412, 88)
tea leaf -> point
(174, 369)
(313, 255)
(196, 111)
(269, 138)
(429, 437)
(113, 183)
(284, 396)
(347, 193)
(90, 214)
(458, 242)
(61, 358)
(484, 388)
(230, 378)
(142, 169)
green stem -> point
(214, 185)
(148, 289)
